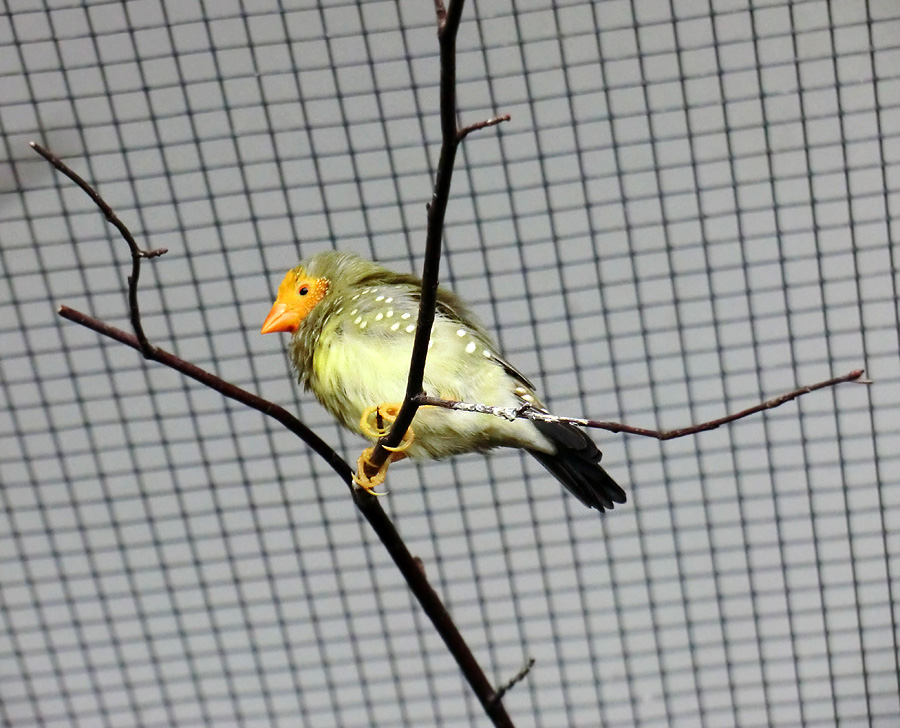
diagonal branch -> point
(528, 412)
(210, 380)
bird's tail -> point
(576, 464)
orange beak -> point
(298, 294)
(281, 318)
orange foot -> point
(375, 423)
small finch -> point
(352, 324)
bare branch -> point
(478, 125)
(441, 12)
(219, 385)
(528, 412)
(136, 252)
(514, 680)
(448, 24)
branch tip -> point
(528, 412)
(477, 126)
(514, 680)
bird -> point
(352, 323)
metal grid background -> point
(690, 211)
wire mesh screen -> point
(690, 211)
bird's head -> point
(298, 294)
(330, 273)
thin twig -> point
(478, 125)
(137, 253)
(514, 680)
(528, 412)
(440, 11)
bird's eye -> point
(303, 290)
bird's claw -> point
(384, 415)
(364, 481)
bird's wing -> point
(514, 373)
(451, 307)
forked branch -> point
(137, 253)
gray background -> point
(690, 211)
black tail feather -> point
(576, 464)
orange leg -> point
(375, 423)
